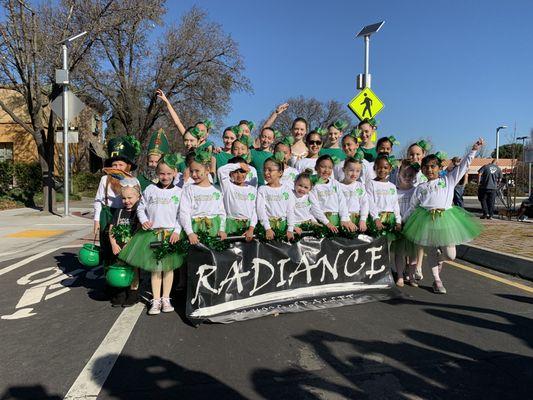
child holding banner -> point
(354, 191)
(327, 195)
(239, 198)
(158, 215)
(202, 208)
(302, 211)
(275, 202)
(385, 218)
(433, 221)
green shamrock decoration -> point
(285, 196)
(251, 196)
(216, 196)
(359, 191)
(175, 199)
(441, 184)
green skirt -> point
(236, 227)
(205, 224)
(404, 246)
(437, 228)
(333, 218)
(138, 252)
(388, 219)
(355, 218)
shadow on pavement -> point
(521, 299)
(159, 378)
(424, 365)
(28, 393)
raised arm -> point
(279, 109)
(172, 112)
(457, 173)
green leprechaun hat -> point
(158, 143)
(124, 148)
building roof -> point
(506, 164)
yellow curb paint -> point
(491, 276)
(37, 233)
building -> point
(17, 145)
(507, 165)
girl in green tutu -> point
(239, 199)
(385, 218)
(158, 215)
(432, 221)
(202, 207)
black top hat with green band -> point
(123, 148)
(158, 143)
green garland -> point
(122, 233)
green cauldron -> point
(119, 275)
(89, 255)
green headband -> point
(340, 125)
(424, 145)
(321, 131)
(208, 124)
(359, 155)
(197, 133)
(287, 141)
(315, 179)
(246, 140)
(393, 140)
(277, 135)
(202, 157)
(237, 130)
(250, 125)
(355, 133)
(335, 160)
(441, 155)
(372, 121)
(415, 166)
(279, 156)
(390, 159)
(172, 160)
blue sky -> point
(448, 70)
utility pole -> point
(365, 80)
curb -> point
(502, 262)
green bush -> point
(471, 189)
(6, 177)
(85, 182)
(38, 198)
(28, 181)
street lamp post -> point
(364, 81)
(498, 141)
(66, 121)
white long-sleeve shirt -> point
(239, 201)
(404, 200)
(356, 198)
(289, 176)
(199, 201)
(302, 209)
(306, 163)
(275, 203)
(383, 197)
(224, 172)
(160, 207)
(113, 200)
(438, 193)
(367, 173)
(329, 198)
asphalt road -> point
(474, 342)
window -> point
(6, 151)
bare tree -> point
(194, 63)
(317, 113)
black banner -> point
(254, 279)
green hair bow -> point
(391, 160)
(202, 157)
(237, 130)
(172, 160)
(424, 145)
(134, 143)
(287, 141)
(321, 131)
(441, 155)
(277, 135)
(250, 125)
(415, 166)
(393, 140)
(208, 124)
(372, 121)
(197, 133)
(246, 140)
(359, 155)
(355, 133)
(340, 125)
(315, 179)
(279, 156)
(335, 160)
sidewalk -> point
(26, 231)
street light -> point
(498, 141)
(65, 81)
(364, 81)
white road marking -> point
(35, 257)
(89, 382)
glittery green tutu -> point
(333, 218)
(441, 227)
(205, 224)
(236, 227)
(138, 252)
(355, 218)
(388, 219)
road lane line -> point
(90, 381)
(491, 276)
(34, 257)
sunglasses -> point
(316, 142)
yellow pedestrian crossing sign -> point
(366, 104)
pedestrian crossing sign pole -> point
(366, 104)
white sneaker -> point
(155, 307)
(167, 307)
(438, 287)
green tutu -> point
(388, 219)
(205, 224)
(404, 246)
(333, 218)
(355, 218)
(236, 227)
(138, 252)
(437, 228)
